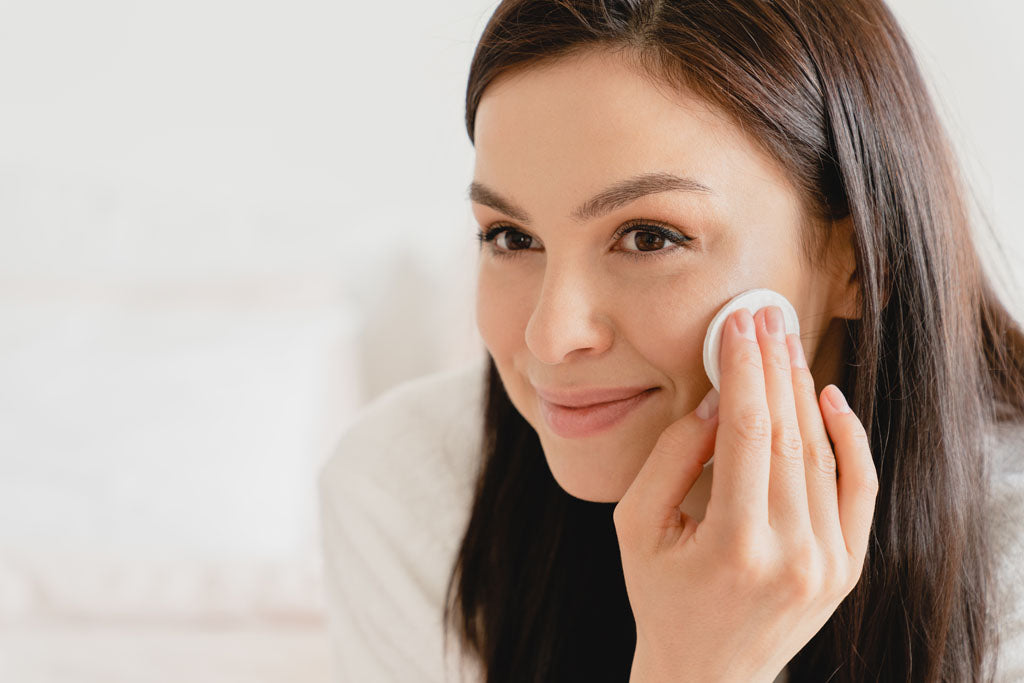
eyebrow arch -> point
(621, 193)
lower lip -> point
(575, 423)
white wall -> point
(226, 225)
(206, 264)
(973, 56)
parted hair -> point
(832, 92)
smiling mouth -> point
(582, 421)
(583, 398)
(602, 403)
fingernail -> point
(836, 398)
(708, 408)
(744, 322)
(796, 351)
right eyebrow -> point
(619, 194)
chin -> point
(588, 476)
(592, 494)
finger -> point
(652, 501)
(819, 460)
(858, 481)
(787, 485)
(739, 487)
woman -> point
(637, 165)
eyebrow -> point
(621, 193)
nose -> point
(569, 317)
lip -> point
(575, 423)
(580, 398)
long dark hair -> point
(833, 93)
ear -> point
(846, 291)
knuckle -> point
(749, 357)
(823, 460)
(786, 439)
(803, 584)
(745, 554)
(868, 485)
(778, 361)
(860, 439)
(804, 381)
(753, 425)
(749, 567)
(802, 576)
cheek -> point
(503, 308)
(663, 318)
(668, 331)
(502, 311)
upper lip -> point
(578, 397)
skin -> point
(571, 308)
(733, 597)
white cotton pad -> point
(753, 300)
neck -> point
(827, 358)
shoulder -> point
(428, 426)
(1006, 506)
(395, 496)
(1005, 445)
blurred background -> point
(224, 227)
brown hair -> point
(833, 93)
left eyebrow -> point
(619, 194)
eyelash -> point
(648, 226)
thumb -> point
(677, 460)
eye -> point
(647, 234)
(515, 240)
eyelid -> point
(633, 225)
(664, 230)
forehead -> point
(578, 123)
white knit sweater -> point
(394, 502)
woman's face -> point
(567, 300)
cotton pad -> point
(753, 300)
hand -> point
(735, 596)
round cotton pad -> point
(753, 300)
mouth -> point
(582, 421)
(589, 396)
